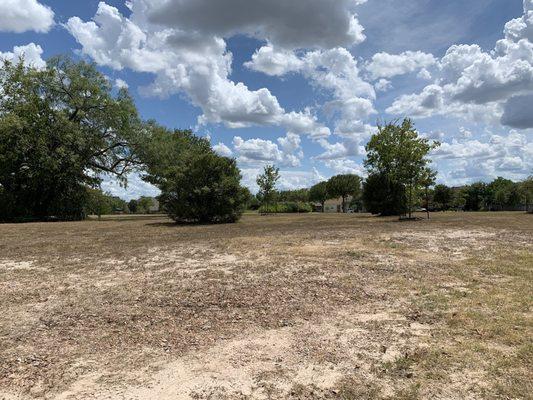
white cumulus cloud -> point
(184, 60)
(30, 53)
(384, 65)
(25, 15)
(472, 82)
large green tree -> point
(398, 152)
(344, 186)
(61, 128)
(319, 193)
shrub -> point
(286, 208)
(205, 188)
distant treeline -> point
(63, 127)
(100, 203)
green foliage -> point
(526, 190)
(501, 193)
(299, 195)
(60, 128)
(286, 207)
(253, 203)
(267, 184)
(196, 184)
(459, 200)
(443, 197)
(133, 206)
(344, 186)
(319, 193)
(100, 203)
(144, 204)
(382, 196)
(475, 196)
(203, 188)
(397, 152)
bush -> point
(205, 188)
(286, 208)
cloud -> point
(473, 82)
(383, 85)
(274, 62)
(340, 150)
(289, 179)
(136, 187)
(223, 150)
(462, 161)
(289, 24)
(518, 112)
(183, 60)
(31, 53)
(287, 152)
(384, 65)
(346, 166)
(25, 15)
(335, 72)
(121, 84)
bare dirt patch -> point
(302, 307)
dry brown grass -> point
(301, 307)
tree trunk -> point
(410, 202)
(343, 204)
(427, 201)
(323, 206)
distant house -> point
(154, 208)
(332, 205)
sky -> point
(303, 84)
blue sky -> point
(303, 84)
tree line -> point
(400, 180)
(62, 128)
(102, 203)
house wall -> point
(335, 205)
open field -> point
(281, 307)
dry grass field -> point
(278, 307)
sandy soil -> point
(301, 307)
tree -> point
(319, 193)
(443, 197)
(253, 203)
(459, 199)
(400, 154)
(475, 196)
(344, 186)
(98, 203)
(60, 129)
(382, 196)
(299, 195)
(497, 193)
(144, 204)
(427, 179)
(196, 184)
(205, 189)
(526, 189)
(267, 184)
(133, 206)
